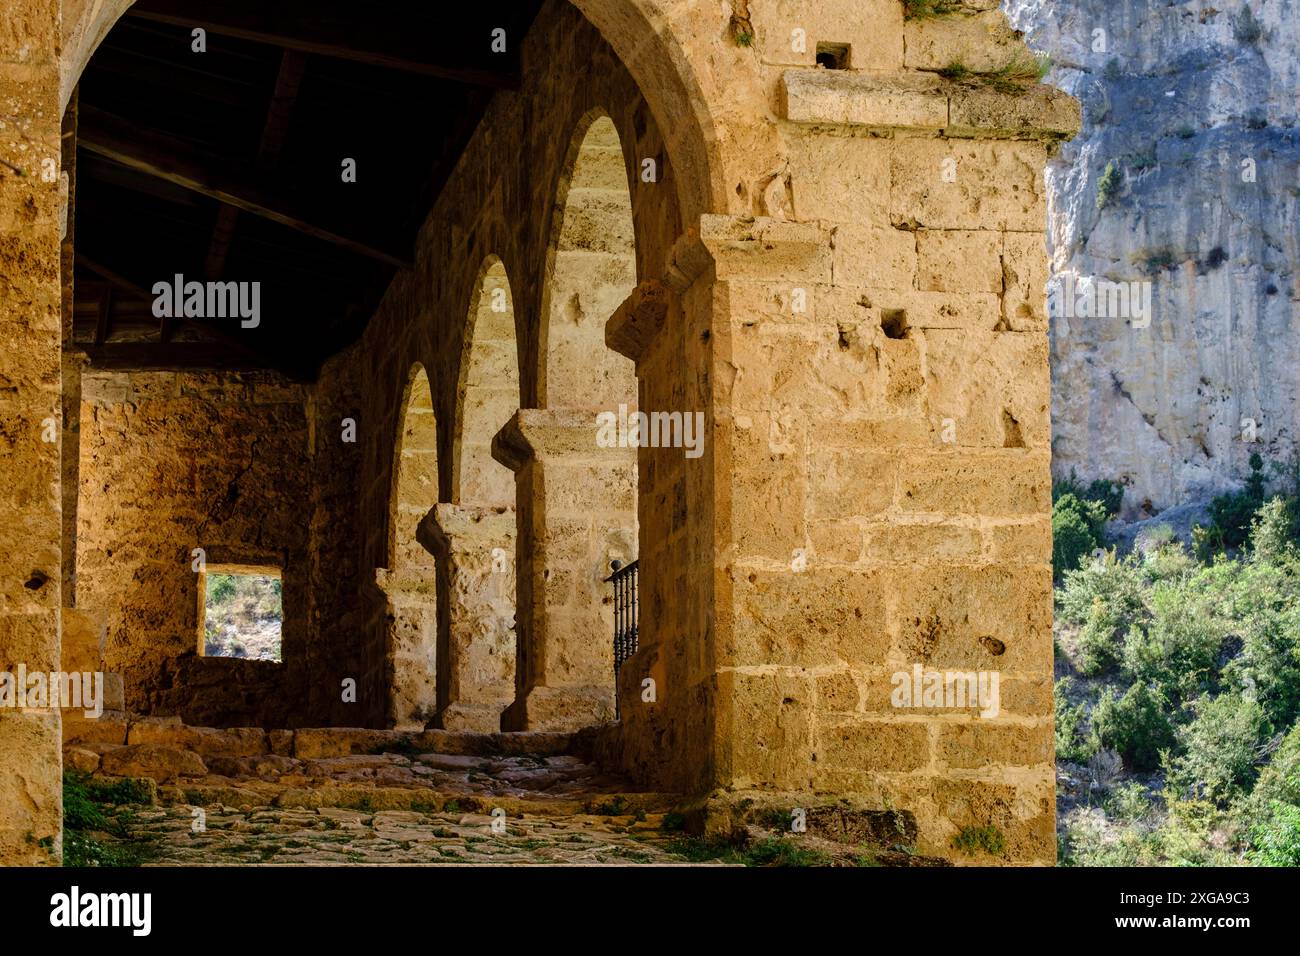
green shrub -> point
(1231, 514)
(1108, 185)
(1099, 642)
(1077, 528)
(1221, 750)
(1280, 779)
(1245, 28)
(1109, 493)
(1114, 582)
(1136, 726)
(1071, 742)
(1275, 839)
(220, 587)
(1263, 605)
(973, 840)
(1178, 650)
(1273, 530)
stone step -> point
(423, 800)
(317, 741)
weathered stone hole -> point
(1011, 436)
(36, 581)
(893, 322)
(834, 56)
(993, 645)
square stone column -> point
(475, 551)
(411, 609)
(30, 422)
(577, 513)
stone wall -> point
(171, 462)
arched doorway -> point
(576, 490)
(474, 535)
(409, 581)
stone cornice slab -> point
(925, 102)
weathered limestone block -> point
(83, 640)
(899, 101)
(110, 727)
(959, 260)
(577, 513)
(871, 31)
(206, 741)
(475, 551)
(163, 764)
(80, 759)
(983, 43)
(991, 185)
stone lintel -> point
(635, 323)
(926, 102)
(449, 529)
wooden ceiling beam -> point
(274, 132)
(334, 29)
(178, 162)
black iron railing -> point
(624, 580)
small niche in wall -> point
(833, 56)
(241, 612)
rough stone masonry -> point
(806, 232)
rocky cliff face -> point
(1186, 181)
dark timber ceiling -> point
(227, 165)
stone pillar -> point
(577, 512)
(30, 416)
(411, 609)
(475, 549)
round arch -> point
(590, 269)
(415, 473)
(487, 393)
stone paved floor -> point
(228, 836)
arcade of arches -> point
(778, 217)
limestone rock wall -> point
(1195, 105)
(171, 462)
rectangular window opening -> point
(242, 612)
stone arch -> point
(409, 583)
(488, 391)
(415, 473)
(474, 535)
(590, 270)
(576, 494)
